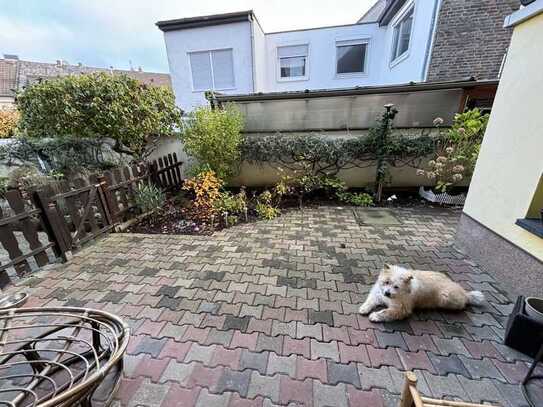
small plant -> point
(206, 188)
(356, 199)
(264, 206)
(233, 204)
(148, 197)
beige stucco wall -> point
(510, 163)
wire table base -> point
(60, 356)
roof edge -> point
(205, 21)
(390, 11)
(399, 88)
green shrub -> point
(8, 122)
(356, 199)
(265, 208)
(213, 137)
(232, 204)
(148, 197)
(98, 105)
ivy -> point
(325, 155)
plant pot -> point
(442, 198)
(534, 308)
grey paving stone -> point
(150, 345)
(393, 339)
(480, 390)
(149, 394)
(450, 346)
(237, 323)
(176, 372)
(206, 399)
(254, 360)
(445, 386)
(264, 386)
(328, 350)
(323, 317)
(269, 343)
(329, 396)
(281, 364)
(479, 368)
(448, 364)
(343, 373)
(199, 353)
(374, 378)
(232, 380)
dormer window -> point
(401, 35)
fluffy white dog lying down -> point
(402, 290)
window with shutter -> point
(212, 70)
(292, 61)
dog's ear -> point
(407, 278)
(387, 266)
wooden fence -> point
(47, 222)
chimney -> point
(59, 63)
(140, 69)
(79, 64)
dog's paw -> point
(364, 309)
(376, 317)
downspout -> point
(430, 43)
(253, 59)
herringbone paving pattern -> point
(266, 314)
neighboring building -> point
(396, 41)
(15, 74)
(501, 227)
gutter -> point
(368, 90)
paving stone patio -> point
(266, 314)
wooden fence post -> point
(54, 226)
(106, 193)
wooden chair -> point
(412, 398)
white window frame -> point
(210, 53)
(278, 62)
(394, 60)
(352, 41)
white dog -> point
(402, 290)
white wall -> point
(245, 36)
(179, 43)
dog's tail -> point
(476, 298)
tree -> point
(98, 106)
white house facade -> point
(231, 54)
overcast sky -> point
(107, 33)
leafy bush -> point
(213, 137)
(356, 199)
(265, 208)
(8, 122)
(98, 105)
(206, 188)
(148, 197)
(27, 176)
(458, 150)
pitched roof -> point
(373, 14)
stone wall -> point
(470, 39)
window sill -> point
(399, 59)
(534, 226)
(214, 90)
(294, 79)
(351, 75)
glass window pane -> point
(402, 35)
(292, 67)
(350, 58)
(201, 71)
(223, 69)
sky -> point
(121, 33)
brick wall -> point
(470, 39)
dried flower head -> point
(431, 174)
(441, 159)
(457, 177)
(458, 169)
(420, 172)
(449, 150)
(431, 163)
(461, 130)
(438, 121)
